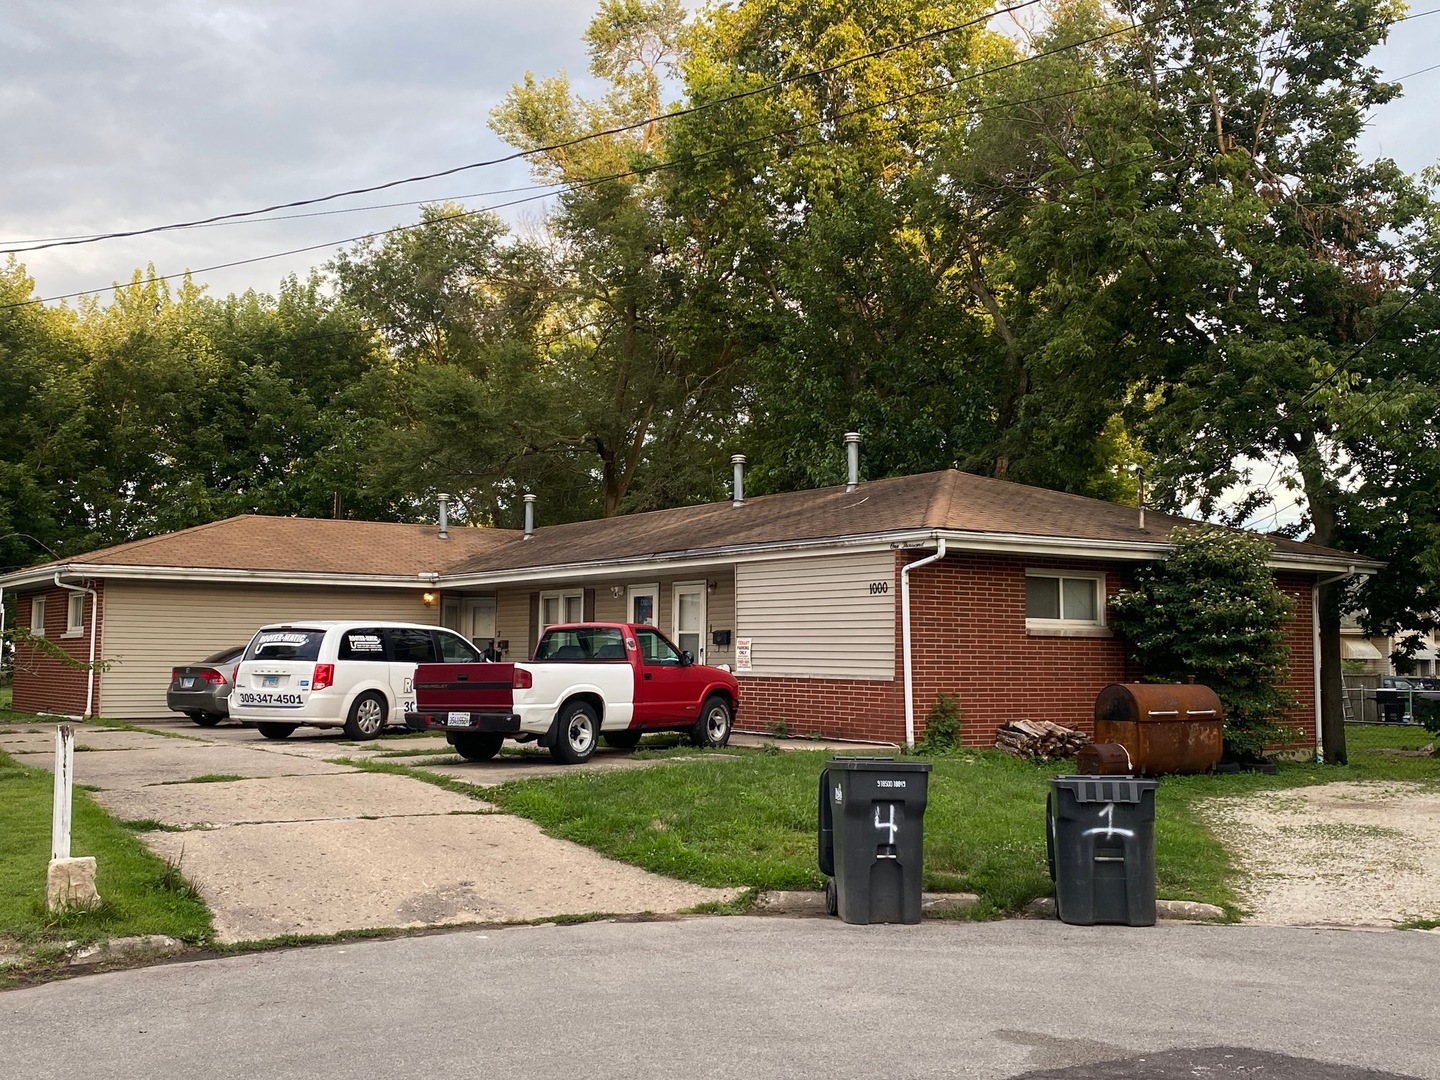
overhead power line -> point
(551, 147)
(729, 148)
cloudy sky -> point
(122, 115)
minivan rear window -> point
(289, 643)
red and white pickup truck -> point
(588, 681)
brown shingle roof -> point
(948, 500)
(303, 545)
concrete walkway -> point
(283, 841)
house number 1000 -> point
(878, 587)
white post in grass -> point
(64, 786)
(69, 883)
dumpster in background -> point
(871, 837)
(1100, 836)
(1166, 727)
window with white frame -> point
(1060, 599)
(75, 616)
(37, 616)
(562, 607)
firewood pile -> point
(1039, 739)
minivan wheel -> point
(367, 716)
(277, 731)
(575, 738)
(623, 740)
(477, 747)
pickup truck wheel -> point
(622, 740)
(277, 731)
(713, 727)
(367, 716)
(575, 738)
(478, 747)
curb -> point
(812, 904)
(148, 947)
(1180, 910)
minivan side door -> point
(408, 646)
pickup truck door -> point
(665, 690)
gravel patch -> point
(1344, 854)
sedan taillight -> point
(523, 680)
(324, 676)
(174, 674)
(213, 677)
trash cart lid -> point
(877, 764)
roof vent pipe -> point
(738, 460)
(1140, 495)
(529, 516)
(444, 516)
(852, 453)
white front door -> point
(690, 620)
(478, 623)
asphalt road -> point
(759, 997)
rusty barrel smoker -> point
(1165, 727)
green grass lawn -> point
(751, 821)
(142, 894)
(6, 694)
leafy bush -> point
(942, 727)
(1427, 712)
(1211, 610)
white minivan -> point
(354, 675)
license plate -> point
(187, 683)
(458, 719)
(270, 680)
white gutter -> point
(94, 633)
(905, 636)
(1315, 649)
(1008, 543)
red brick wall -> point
(969, 641)
(42, 683)
(1300, 637)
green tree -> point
(1211, 611)
(645, 369)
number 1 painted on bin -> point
(1110, 829)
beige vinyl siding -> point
(512, 620)
(817, 616)
(151, 627)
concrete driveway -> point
(280, 839)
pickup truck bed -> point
(589, 681)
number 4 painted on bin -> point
(1110, 829)
(894, 828)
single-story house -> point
(844, 611)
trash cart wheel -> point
(832, 897)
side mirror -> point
(686, 659)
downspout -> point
(905, 636)
(94, 633)
(1315, 651)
